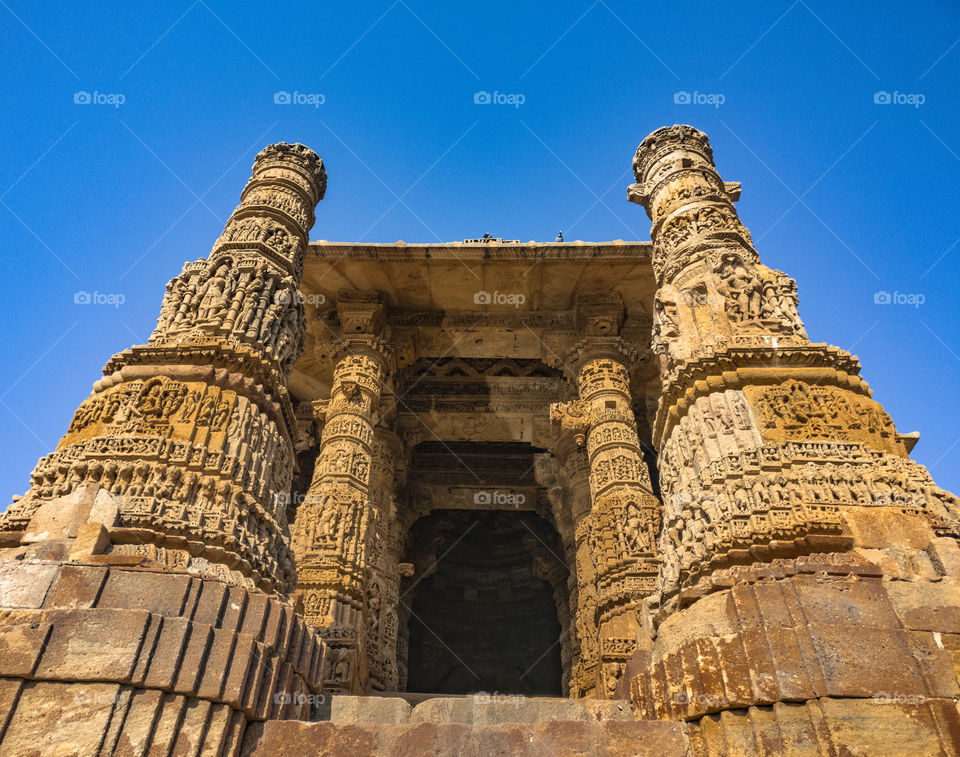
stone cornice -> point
(530, 251)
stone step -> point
(559, 738)
(499, 708)
(479, 709)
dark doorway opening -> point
(482, 620)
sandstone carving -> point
(631, 511)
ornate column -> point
(410, 434)
(186, 442)
(151, 554)
(772, 451)
(740, 380)
(581, 580)
(383, 588)
(340, 530)
(620, 531)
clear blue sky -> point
(849, 196)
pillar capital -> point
(273, 160)
(678, 146)
(361, 312)
(275, 212)
(591, 348)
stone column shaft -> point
(619, 533)
(335, 526)
(740, 378)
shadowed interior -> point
(482, 620)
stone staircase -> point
(466, 726)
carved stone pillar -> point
(410, 433)
(340, 530)
(581, 580)
(154, 542)
(740, 381)
(772, 451)
(186, 444)
(383, 586)
(619, 533)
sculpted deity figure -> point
(740, 288)
(633, 536)
(213, 294)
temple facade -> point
(344, 480)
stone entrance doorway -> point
(484, 616)
(410, 405)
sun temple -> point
(485, 497)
